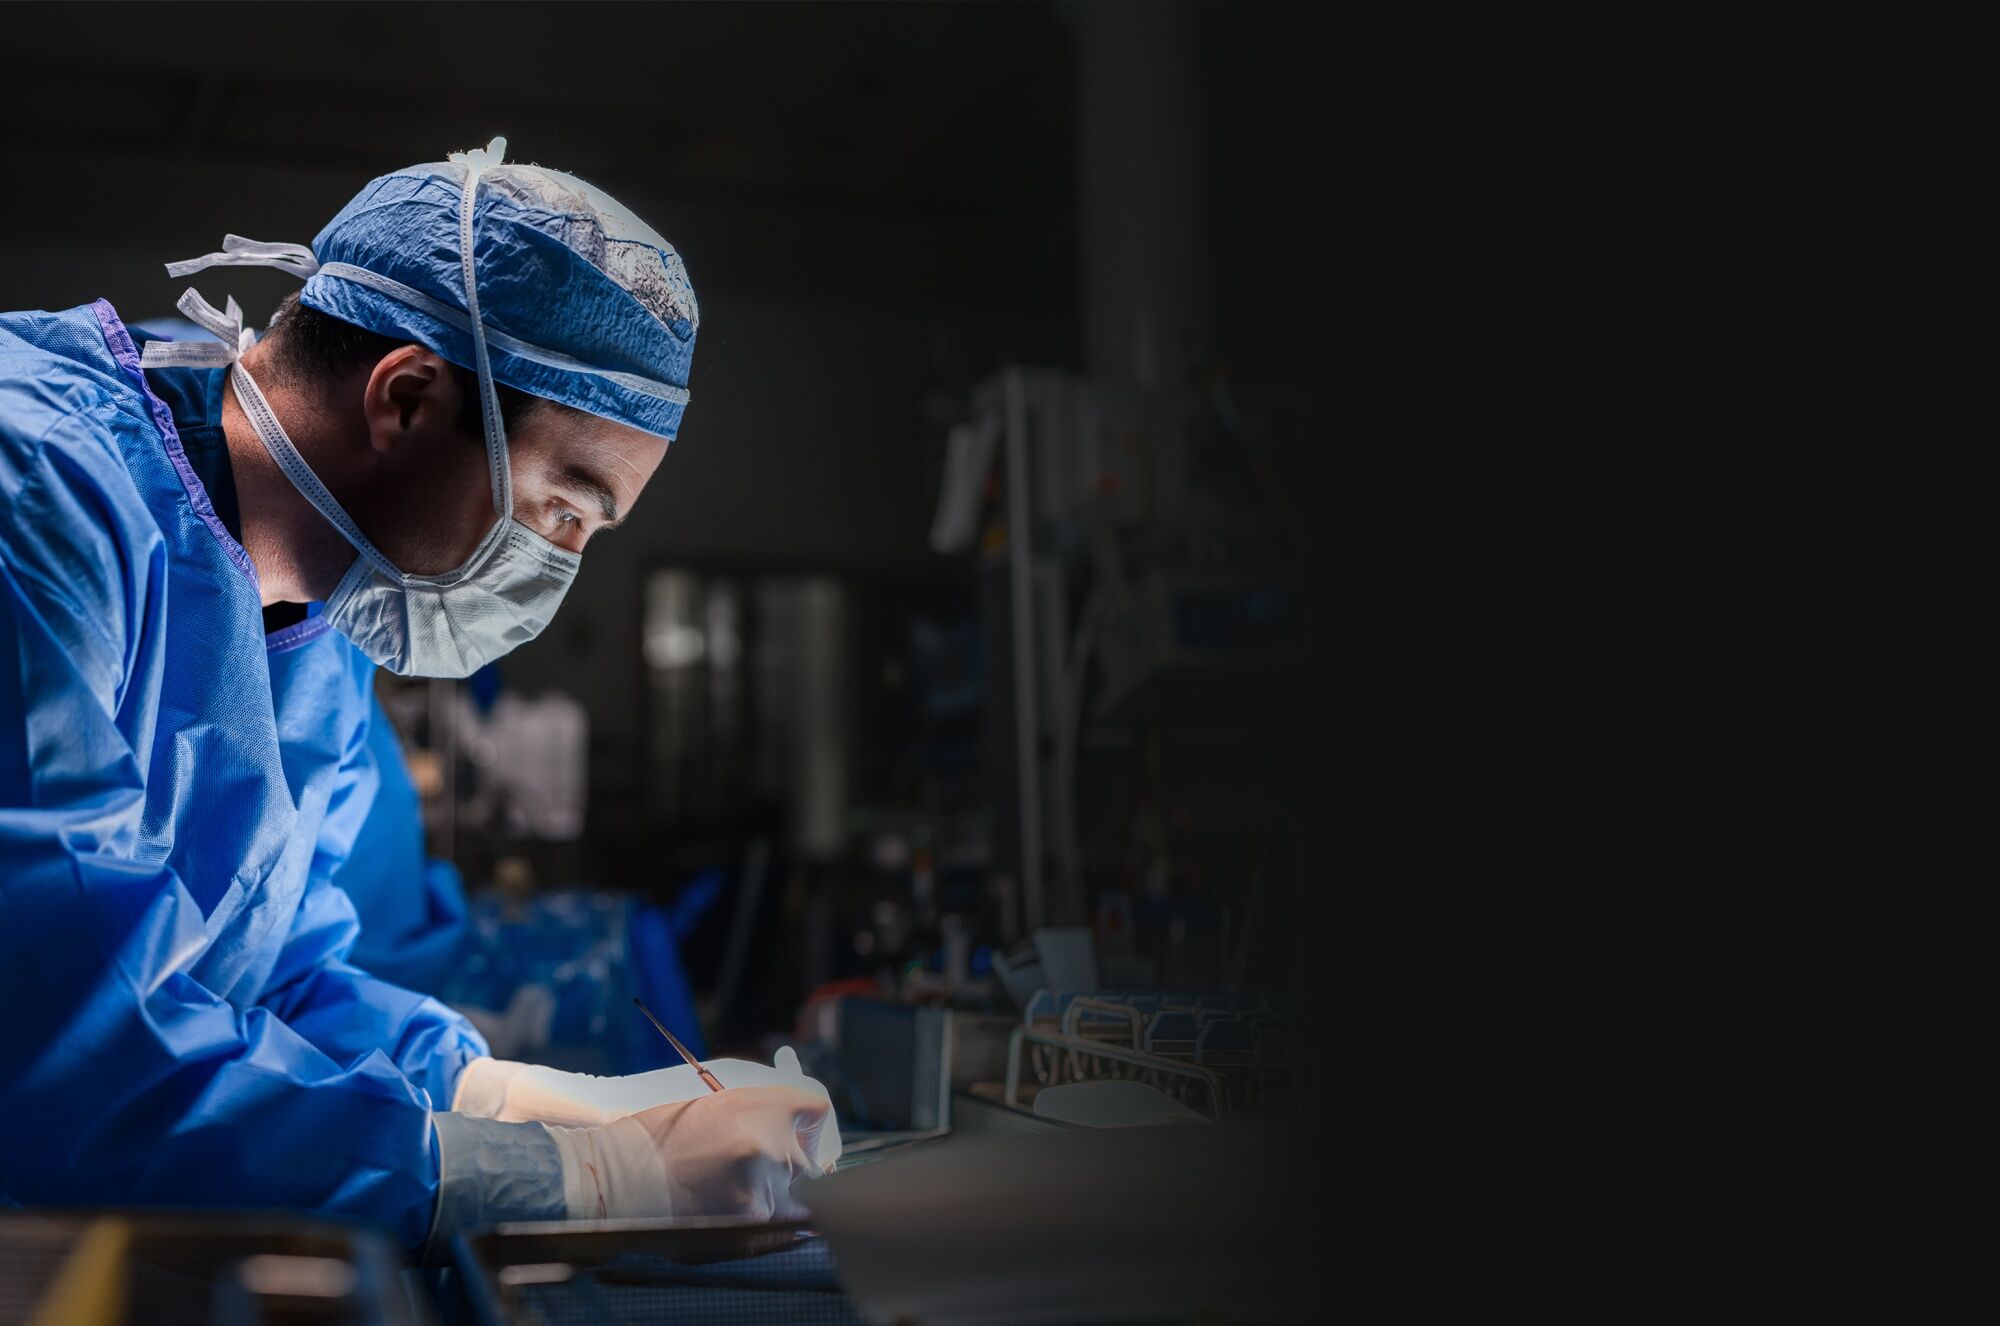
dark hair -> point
(310, 346)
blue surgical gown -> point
(178, 1021)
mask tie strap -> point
(232, 337)
(226, 327)
(240, 252)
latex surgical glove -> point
(529, 1093)
(726, 1153)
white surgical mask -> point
(446, 625)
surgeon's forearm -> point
(480, 1091)
(517, 1093)
(489, 1172)
(346, 1013)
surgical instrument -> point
(707, 1077)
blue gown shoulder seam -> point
(119, 342)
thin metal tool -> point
(707, 1077)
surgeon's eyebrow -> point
(586, 482)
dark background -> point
(879, 205)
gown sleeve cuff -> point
(489, 1172)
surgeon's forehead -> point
(573, 445)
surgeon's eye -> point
(565, 516)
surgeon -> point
(206, 549)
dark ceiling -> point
(914, 155)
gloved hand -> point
(726, 1153)
(529, 1093)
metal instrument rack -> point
(1215, 1053)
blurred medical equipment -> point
(891, 1064)
(552, 973)
(533, 754)
(1220, 1054)
(1068, 957)
(1132, 592)
(190, 1269)
(748, 1273)
(523, 1029)
(411, 905)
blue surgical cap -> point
(584, 304)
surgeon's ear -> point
(411, 394)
